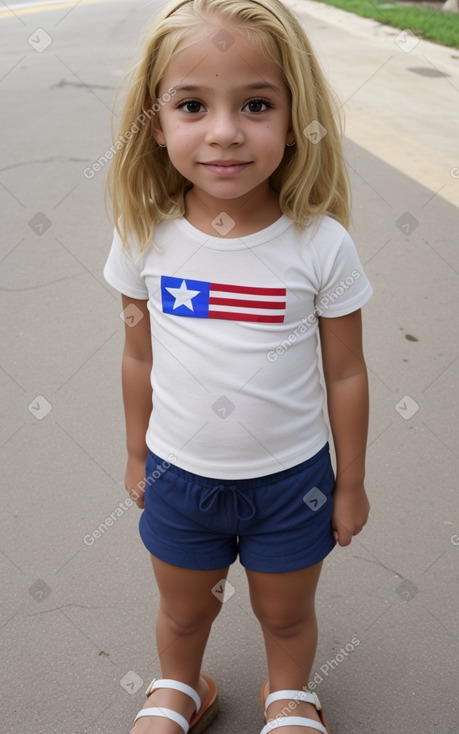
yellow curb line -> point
(43, 8)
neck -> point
(232, 217)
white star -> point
(182, 296)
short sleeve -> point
(344, 287)
(123, 273)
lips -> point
(225, 162)
(226, 167)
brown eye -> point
(191, 106)
(258, 105)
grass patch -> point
(427, 23)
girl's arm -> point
(347, 397)
(136, 368)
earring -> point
(291, 145)
(161, 146)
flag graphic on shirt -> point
(203, 300)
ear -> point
(155, 126)
(157, 132)
(290, 137)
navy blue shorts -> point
(277, 523)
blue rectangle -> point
(185, 297)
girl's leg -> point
(284, 604)
(186, 612)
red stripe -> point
(247, 289)
(245, 317)
(249, 304)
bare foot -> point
(170, 699)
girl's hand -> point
(350, 514)
(134, 480)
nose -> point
(224, 130)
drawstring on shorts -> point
(211, 497)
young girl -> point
(230, 251)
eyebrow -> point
(249, 87)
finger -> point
(135, 493)
(342, 536)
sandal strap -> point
(166, 714)
(293, 721)
(306, 696)
(176, 685)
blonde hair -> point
(311, 179)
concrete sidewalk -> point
(78, 611)
(399, 94)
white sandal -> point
(282, 721)
(203, 714)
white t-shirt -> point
(235, 378)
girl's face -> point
(228, 123)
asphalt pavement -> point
(78, 601)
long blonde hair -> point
(311, 179)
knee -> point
(281, 626)
(284, 622)
(189, 620)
